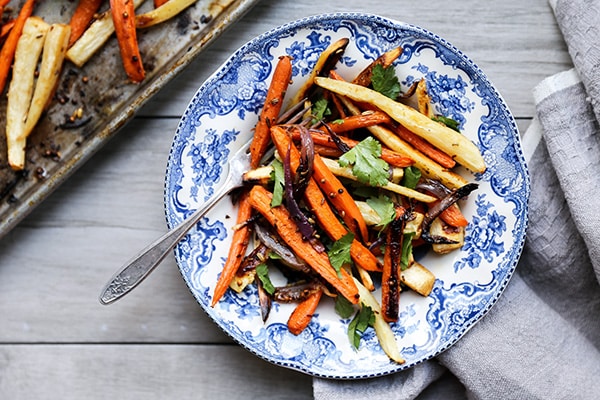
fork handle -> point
(139, 267)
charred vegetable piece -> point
(390, 280)
(296, 292)
(438, 208)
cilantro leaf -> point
(385, 81)
(406, 250)
(384, 207)
(366, 163)
(320, 109)
(278, 177)
(340, 252)
(262, 271)
(343, 307)
(449, 122)
(359, 324)
(411, 177)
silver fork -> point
(139, 267)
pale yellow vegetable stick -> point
(384, 332)
(160, 14)
(21, 86)
(427, 166)
(53, 55)
(449, 141)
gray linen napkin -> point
(542, 339)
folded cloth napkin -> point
(542, 339)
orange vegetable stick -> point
(340, 198)
(7, 54)
(302, 314)
(82, 17)
(239, 244)
(271, 109)
(319, 206)
(425, 147)
(282, 221)
(359, 121)
(158, 3)
(6, 28)
(453, 216)
(123, 15)
(328, 151)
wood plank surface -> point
(57, 341)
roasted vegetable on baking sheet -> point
(347, 195)
(32, 80)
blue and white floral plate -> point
(220, 118)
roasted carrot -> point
(359, 121)
(341, 199)
(319, 206)
(271, 109)
(158, 3)
(123, 15)
(82, 17)
(302, 314)
(6, 28)
(391, 157)
(239, 244)
(258, 146)
(328, 151)
(7, 54)
(280, 219)
(425, 147)
(453, 216)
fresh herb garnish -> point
(340, 252)
(449, 122)
(278, 186)
(359, 324)
(385, 81)
(320, 109)
(384, 207)
(406, 250)
(366, 163)
(262, 271)
(411, 177)
(343, 307)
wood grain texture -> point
(57, 341)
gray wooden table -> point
(57, 341)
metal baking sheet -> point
(57, 147)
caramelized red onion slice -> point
(264, 299)
(270, 239)
(436, 188)
(252, 260)
(439, 207)
(304, 226)
(307, 157)
(343, 147)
